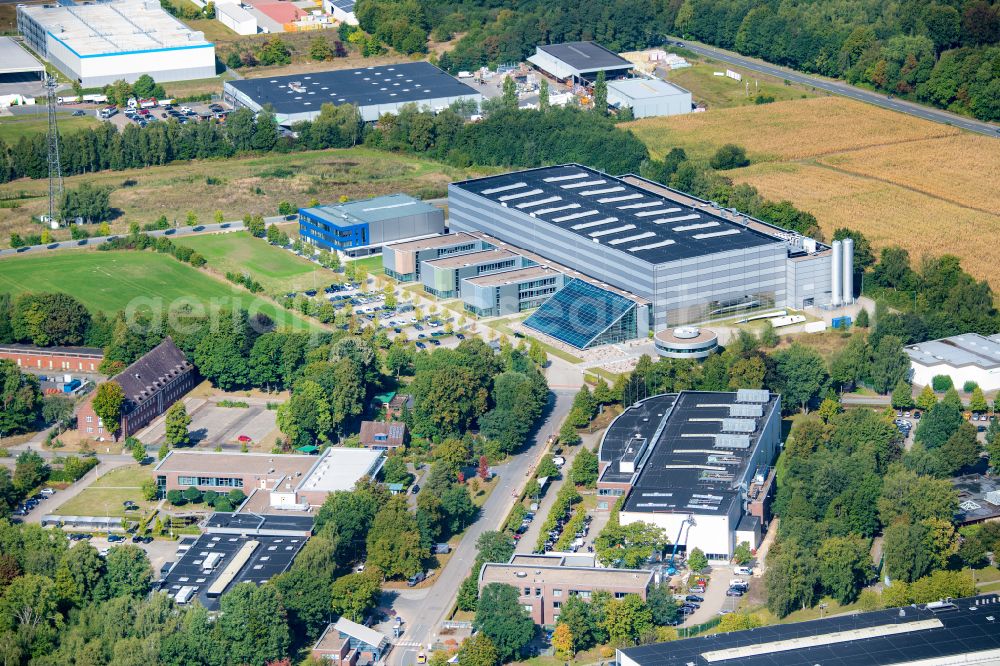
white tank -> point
(836, 277)
(847, 248)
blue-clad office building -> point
(361, 228)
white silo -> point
(847, 248)
(836, 278)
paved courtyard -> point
(213, 425)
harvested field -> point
(887, 213)
(899, 180)
(790, 130)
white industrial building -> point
(342, 10)
(649, 97)
(233, 16)
(698, 464)
(579, 61)
(98, 44)
(969, 357)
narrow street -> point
(424, 610)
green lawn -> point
(111, 281)
(131, 476)
(278, 270)
(13, 128)
(103, 502)
(718, 92)
(373, 265)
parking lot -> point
(214, 425)
(159, 551)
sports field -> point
(928, 187)
(276, 269)
(112, 281)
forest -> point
(944, 53)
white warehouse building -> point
(98, 44)
(969, 357)
(649, 97)
(233, 16)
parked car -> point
(694, 597)
(115, 538)
(415, 579)
(415, 489)
(733, 592)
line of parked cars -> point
(25, 507)
(525, 524)
(556, 533)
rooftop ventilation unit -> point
(760, 396)
(732, 441)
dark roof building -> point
(382, 435)
(690, 260)
(962, 631)
(151, 385)
(247, 524)
(579, 61)
(374, 90)
(697, 464)
(217, 562)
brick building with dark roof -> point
(151, 385)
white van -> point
(743, 571)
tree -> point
(87, 203)
(926, 400)
(601, 94)
(568, 434)
(479, 650)
(584, 469)
(662, 605)
(164, 450)
(627, 620)
(993, 442)
(697, 560)
(729, 156)
(78, 578)
(576, 614)
(253, 624)
(543, 94)
(742, 554)
(977, 402)
(844, 566)
(790, 579)
(129, 572)
(938, 425)
(509, 95)
(176, 423)
(801, 374)
(562, 641)
(889, 364)
(502, 619)
(49, 319)
(468, 593)
(107, 404)
(862, 320)
(768, 336)
(902, 395)
(961, 449)
(138, 449)
(394, 541)
(255, 225)
(20, 398)
(741, 621)
(483, 470)
(355, 595)
(319, 49)
(628, 546)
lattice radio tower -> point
(55, 166)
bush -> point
(969, 386)
(941, 383)
(730, 156)
(176, 498)
(193, 495)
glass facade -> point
(583, 315)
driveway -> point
(715, 597)
(424, 614)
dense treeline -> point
(943, 53)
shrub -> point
(730, 156)
(969, 386)
(176, 498)
(941, 383)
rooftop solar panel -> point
(629, 239)
(595, 223)
(532, 204)
(578, 313)
(608, 232)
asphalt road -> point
(424, 613)
(844, 89)
(235, 225)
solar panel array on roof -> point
(738, 425)
(344, 5)
(751, 410)
(579, 313)
(607, 210)
(753, 395)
